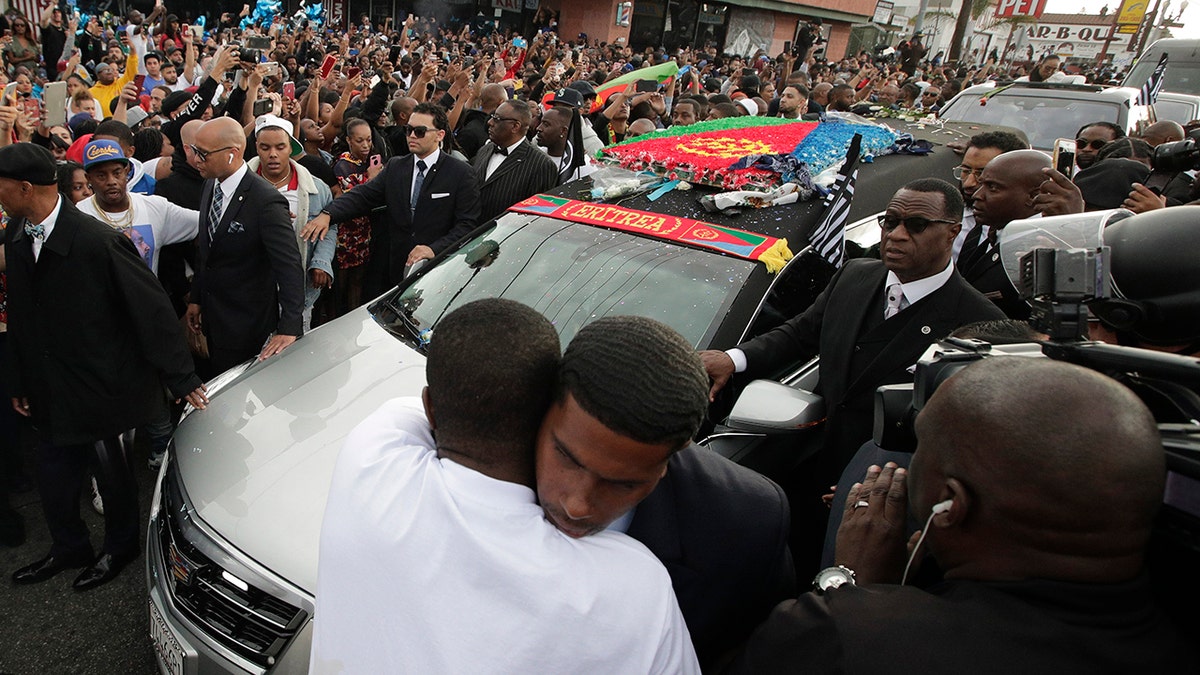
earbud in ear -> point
(230, 160)
(942, 507)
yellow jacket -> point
(105, 93)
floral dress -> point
(354, 236)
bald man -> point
(641, 127)
(473, 126)
(1164, 131)
(1008, 189)
(1037, 483)
(249, 283)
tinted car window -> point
(1042, 119)
(574, 274)
(1177, 111)
(1180, 76)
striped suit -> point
(524, 173)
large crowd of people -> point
(203, 193)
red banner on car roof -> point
(772, 252)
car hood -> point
(256, 463)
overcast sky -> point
(1190, 19)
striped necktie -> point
(214, 210)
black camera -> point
(1058, 284)
(1176, 156)
(248, 55)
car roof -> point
(1056, 90)
(878, 180)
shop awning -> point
(801, 10)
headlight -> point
(216, 384)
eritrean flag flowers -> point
(706, 152)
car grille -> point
(245, 619)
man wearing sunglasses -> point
(869, 326)
(249, 283)
(510, 168)
(432, 199)
(1091, 138)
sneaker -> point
(156, 460)
(97, 502)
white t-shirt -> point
(156, 223)
(427, 566)
(140, 44)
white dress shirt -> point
(915, 291)
(229, 186)
(968, 226)
(47, 226)
(497, 159)
(429, 162)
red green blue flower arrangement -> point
(728, 153)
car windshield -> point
(1181, 76)
(1043, 119)
(574, 274)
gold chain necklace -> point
(281, 181)
(123, 223)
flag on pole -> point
(1153, 85)
(657, 73)
(828, 240)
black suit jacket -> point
(721, 531)
(93, 337)
(524, 173)
(447, 208)
(859, 350)
(249, 279)
(1032, 627)
(986, 273)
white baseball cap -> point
(268, 121)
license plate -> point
(166, 645)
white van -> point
(1183, 66)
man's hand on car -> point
(719, 367)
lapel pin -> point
(926, 330)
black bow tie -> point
(500, 151)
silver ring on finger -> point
(861, 503)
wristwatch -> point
(833, 577)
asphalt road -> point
(50, 628)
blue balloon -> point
(201, 20)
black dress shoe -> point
(44, 569)
(105, 569)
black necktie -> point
(973, 251)
(416, 193)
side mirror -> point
(412, 269)
(766, 406)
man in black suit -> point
(868, 326)
(432, 199)
(92, 342)
(614, 452)
(510, 168)
(1045, 569)
(1008, 190)
(249, 283)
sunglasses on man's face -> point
(419, 132)
(914, 224)
(1096, 144)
